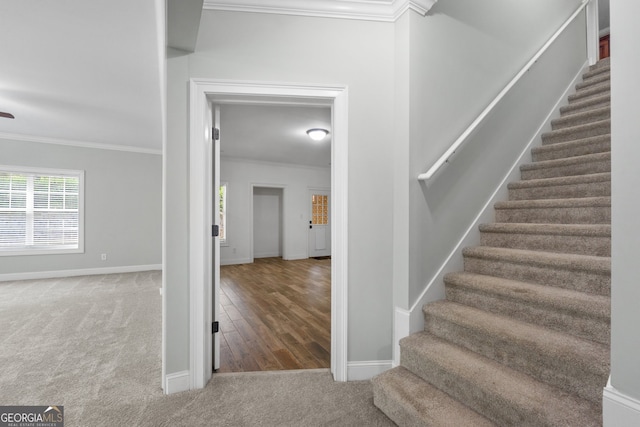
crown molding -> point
(81, 144)
(366, 10)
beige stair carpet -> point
(522, 338)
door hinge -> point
(216, 134)
(215, 327)
(215, 230)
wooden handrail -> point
(462, 139)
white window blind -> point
(40, 211)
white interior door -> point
(215, 291)
(319, 223)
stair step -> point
(591, 185)
(579, 239)
(586, 210)
(603, 63)
(570, 166)
(587, 104)
(583, 315)
(503, 395)
(580, 118)
(603, 76)
(579, 147)
(602, 127)
(582, 273)
(590, 92)
(408, 400)
(561, 360)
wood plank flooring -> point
(275, 315)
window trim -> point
(51, 172)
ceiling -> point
(275, 133)
(90, 73)
(83, 72)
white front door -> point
(319, 223)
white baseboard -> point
(401, 329)
(266, 254)
(618, 409)
(365, 370)
(79, 272)
(235, 261)
(176, 382)
(295, 257)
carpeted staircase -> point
(522, 338)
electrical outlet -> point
(103, 257)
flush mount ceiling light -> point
(317, 134)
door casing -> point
(202, 93)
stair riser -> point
(574, 150)
(580, 107)
(579, 245)
(591, 328)
(599, 68)
(581, 119)
(566, 135)
(590, 93)
(593, 80)
(392, 407)
(590, 189)
(408, 400)
(579, 215)
(578, 280)
(481, 399)
(578, 168)
(537, 362)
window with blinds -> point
(40, 211)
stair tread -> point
(561, 180)
(594, 79)
(603, 230)
(565, 300)
(571, 144)
(593, 114)
(591, 90)
(521, 396)
(591, 263)
(539, 342)
(555, 203)
(424, 403)
(572, 131)
(600, 67)
(567, 161)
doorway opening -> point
(204, 165)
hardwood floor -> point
(275, 315)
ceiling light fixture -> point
(317, 134)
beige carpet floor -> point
(92, 344)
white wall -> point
(241, 176)
(277, 48)
(625, 179)
(123, 208)
(267, 222)
(460, 57)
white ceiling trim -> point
(367, 10)
(82, 144)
